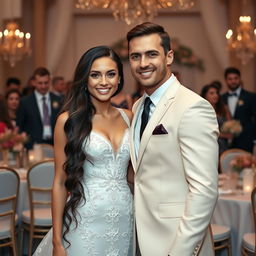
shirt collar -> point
(39, 96)
(237, 91)
(159, 92)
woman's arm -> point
(130, 178)
(59, 192)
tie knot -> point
(44, 98)
(147, 102)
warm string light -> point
(14, 44)
(134, 10)
(244, 44)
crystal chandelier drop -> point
(244, 44)
(134, 10)
(14, 44)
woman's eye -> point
(111, 74)
(94, 75)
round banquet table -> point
(235, 210)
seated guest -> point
(12, 98)
(38, 111)
(5, 121)
(212, 94)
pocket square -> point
(159, 130)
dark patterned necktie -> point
(46, 116)
(145, 115)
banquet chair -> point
(227, 156)
(47, 151)
(249, 239)
(221, 238)
(38, 220)
(9, 191)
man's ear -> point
(170, 57)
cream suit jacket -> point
(176, 175)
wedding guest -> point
(38, 111)
(12, 98)
(13, 83)
(138, 92)
(218, 84)
(212, 94)
(30, 87)
(122, 100)
(242, 106)
(5, 121)
(91, 161)
(58, 86)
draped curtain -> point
(214, 17)
(59, 24)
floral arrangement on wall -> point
(183, 55)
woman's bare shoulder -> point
(128, 113)
(62, 118)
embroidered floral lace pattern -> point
(105, 225)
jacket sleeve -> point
(198, 133)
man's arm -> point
(198, 133)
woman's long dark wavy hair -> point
(220, 106)
(78, 127)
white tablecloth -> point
(235, 211)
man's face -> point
(149, 64)
(60, 86)
(42, 84)
(233, 81)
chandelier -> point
(14, 43)
(244, 44)
(134, 10)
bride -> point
(92, 206)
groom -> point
(174, 153)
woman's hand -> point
(59, 250)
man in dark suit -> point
(38, 111)
(242, 106)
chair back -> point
(47, 151)
(227, 156)
(253, 200)
(9, 191)
(40, 180)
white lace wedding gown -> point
(106, 224)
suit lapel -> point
(136, 109)
(36, 109)
(241, 98)
(161, 108)
(52, 116)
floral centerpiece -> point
(233, 127)
(11, 141)
(242, 161)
